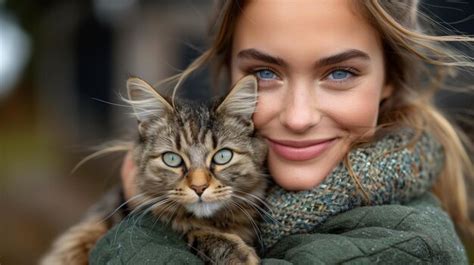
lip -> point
(300, 150)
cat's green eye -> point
(222, 156)
(172, 159)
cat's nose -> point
(199, 189)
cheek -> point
(235, 74)
(355, 110)
(268, 107)
(157, 177)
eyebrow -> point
(330, 60)
(261, 56)
(341, 57)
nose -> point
(199, 189)
(198, 180)
(300, 111)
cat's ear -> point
(146, 102)
(242, 99)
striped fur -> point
(215, 205)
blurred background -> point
(63, 65)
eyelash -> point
(350, 70)
(254, 71)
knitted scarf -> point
(393, 170)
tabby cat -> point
(199, 169)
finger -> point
(128, 176)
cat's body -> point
(74, 245)
(199, 169)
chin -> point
(300, 176)
(203, 209)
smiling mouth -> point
(300, 150)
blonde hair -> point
(412, 54)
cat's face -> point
(199, 158)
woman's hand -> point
(128, 177)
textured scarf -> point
(391, 170)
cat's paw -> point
(243, 255)
(222, 248)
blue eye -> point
(340, 75)
(172, 159)
(265, 74)
(223, 156)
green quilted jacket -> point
(418, 232)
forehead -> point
(194, 124)
(299, 28)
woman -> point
(331, 75)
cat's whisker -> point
(246, 200)
(161, 203)
(258, 232)
(223, 196)
(249, 204)
(147, 203)
(268, 213)
(225, 205)
(167, 221)
(261, 211)
(189, 133)
(120, 206)
(251, 219)
(135, 216)
(255, 226)
(173, 207)
(222, 189)
(113, 103)
(170, 204)
(145, 206)
(261, 200)
(156, 202)
(168, 210)
(175, 212)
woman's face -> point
(321, 78)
